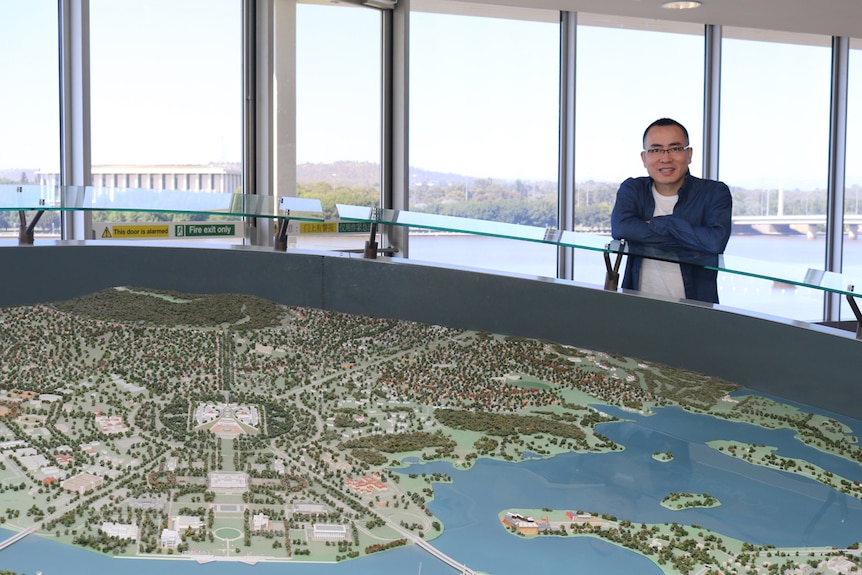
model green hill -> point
(156, 307)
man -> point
(671, 212)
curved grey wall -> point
(796, 361)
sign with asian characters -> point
(334, 227)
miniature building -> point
(82, 483)
(64, 458)
(366, 484)
(183, 522)
(13, 443)
(260, 522)
(111, 424)
(327, 532)
(309, 508)
(120, 530)
(228, 417)
(52, 471)
(525, 525)
(32, 460)
(170, 539)
(146, 504)
(228, 482)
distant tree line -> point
(399, 442)
(532, 203)
(535, 203)
(508, 424)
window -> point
(338, 113)
(852, 257)
(29, 102)
(774, 156)
(167, 96)
(619, 93)
(484, 122)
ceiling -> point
(823, 17)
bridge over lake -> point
(806, 224)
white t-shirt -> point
(658, 277)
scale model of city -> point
(149, 424)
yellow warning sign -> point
(107, 233)
(318, 228)
(140, 231)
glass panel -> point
(774, 154)
(852, 245)
(29, 101)
(786, 274)
(484, 123)
(338, 114)
(134, 200)
(459, 225)
(619, 93)
(167, 96)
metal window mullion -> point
(711, 100)
(74, 71)
(837, 168)
(395, 141)
(566, 161)
(249, 109)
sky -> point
(166, 88)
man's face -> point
(667, 170)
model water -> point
(758, 505)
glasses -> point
(657, 152)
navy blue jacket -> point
(697, 231)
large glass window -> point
(338, 115)
(484, 123)
(167, 96)
(630, 72)
(29, 101)
(774, 155)
(852, 256)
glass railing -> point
(767, 270)
(40, 199)
(35, 198)
(88, 198)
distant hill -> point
(368, 174)
(344, 172)
(354, 173)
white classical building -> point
(170, 539)
(120, 530)
(329, 532)
(309, 508)
(260, 522)
(210, 177)
(228, 482)
(183, 522)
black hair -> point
(666, 122)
